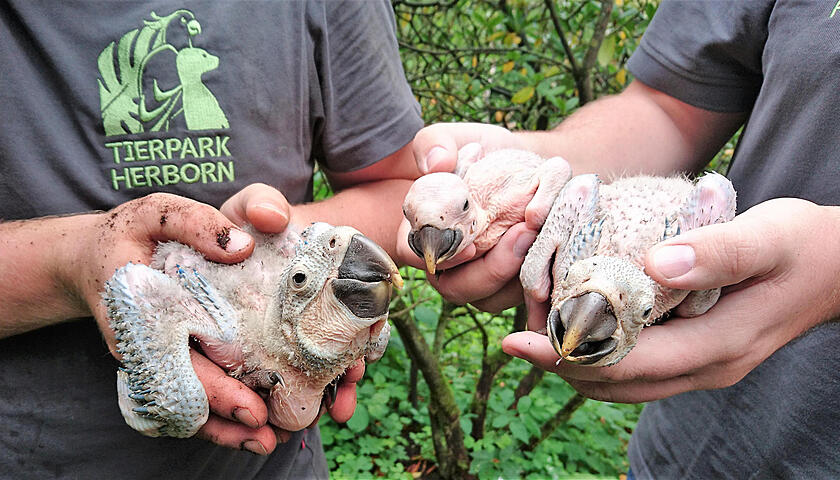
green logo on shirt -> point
(123, 102)
(132, 102)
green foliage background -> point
(525, 65)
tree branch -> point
(444, 414)
(562, 416)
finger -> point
(163, 217)
(345, 399)
(508, 296)
(436, 146)
(537, 314)
(637, 392)
(716, 255)
(537, 349)
(220, 431)
(486, 275)
(697, 347)
(533, 347)
(260, 205)
(345, 402)
(229, 398)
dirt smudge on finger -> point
(223, 238)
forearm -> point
(36, 257)
(640, 130)
(374, 208)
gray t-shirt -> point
(776, 60)
(105, 101)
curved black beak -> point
(365, 277)
(581, 330)
(434, 245)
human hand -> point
(490, 282)
(436, 147)
(130, 233)
(267, 209)
(780, 279)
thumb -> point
(715, 255)
(436, 148)
(261, 205)
(161, 217)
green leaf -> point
(552, 70)
(606, 52)
(502, 420)
(523, 95)
(520, 432)
(524, 404)
(426, 316)
(327, 434)
(360, 420)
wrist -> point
(39, 255)
(69, 266)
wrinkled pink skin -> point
(294, 404)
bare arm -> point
(55, 267)
(369, 199)
(640, 130)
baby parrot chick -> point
(287, 322)
(597, 236)
(478, 202)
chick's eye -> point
(299, 278)
(466, 204)
(647, 311)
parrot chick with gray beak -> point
(287, 321)
(590, 255)
(480, 200)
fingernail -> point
(237, 240)
(523, 243)
(254, 446)
(273, 209)
(243, 415)
(674, 260)
(433, 159)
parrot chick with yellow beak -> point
(590, 255)
(478, 202)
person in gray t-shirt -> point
(749, 389)
(146, 109)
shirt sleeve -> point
(707, 53)
(368, 109)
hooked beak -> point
(365, 278)
(581, 330)
(434, 245)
